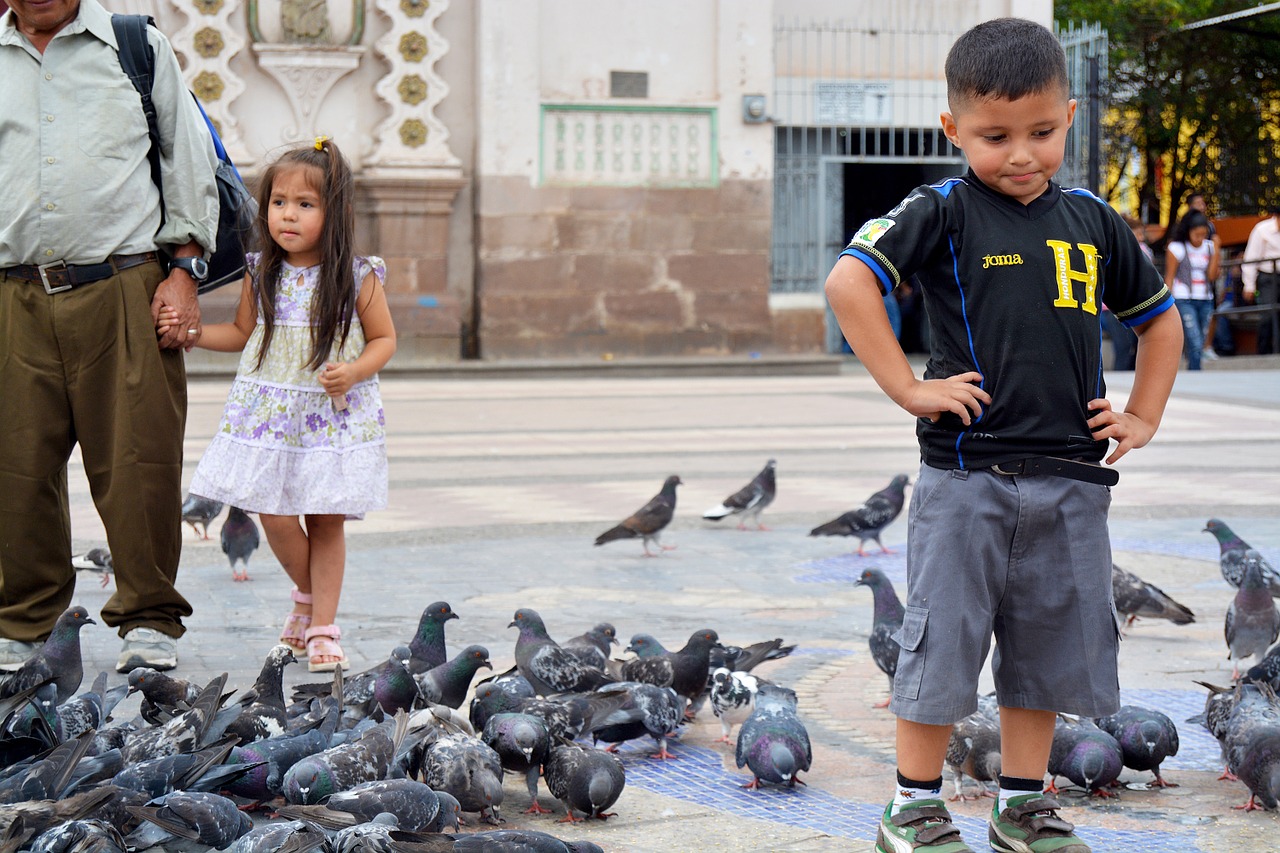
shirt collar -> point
(1038, 206)
(91, 17)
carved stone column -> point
(209, 41)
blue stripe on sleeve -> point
(886, 282)
(1153, 311)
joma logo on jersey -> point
(1066, 275)
(1001, 261)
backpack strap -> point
(139, 62)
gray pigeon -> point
(869, 520)
(523, 743)
(58, 660)
(646, 646)
(548, 667)
(1146, 739)
(684, 671)
(395, 689)
(1252, 743)
(89, 709)
(584, 780)
(96, 561)
(649, 521)
(974, 751)
(367, 758)
(20, 822)
(47, 777)
(749, 501)
(1253, 622)
(1231, 551)
(886, 622)
(646, 709)
(198, 771)
(272, 758)
(199, 512)
(295, 836)
(448, 683)
(733, 698)
(371, 836)
(773, 743)
(515, 841)
(163, 696)
(595, 646)
(1086, 755)
(80, 836)
(501, 693)
(467, 768)
(188, 732)
(413, 804)
(262, 712)
(188, 821)
(1135, 597)
(239, 541)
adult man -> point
(82, 280)
(1260, 275)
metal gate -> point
(1086, 49)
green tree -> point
(1199, 103)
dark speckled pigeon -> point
(595, 646)
(512, 841)
(522, 742)
(869, 520)
(197, 771)
(89, 709)
(239, 540)
(272, 758)
(649, 521)
(733, 698)
(1231, 549)
(499, 694)
(646, 709)
(45, 778)
(1086, 755)
(448, 683)
(584, 780)
(188, 821)
(58, 660)
(549, 668)
(773, 743)
(749, 501)
(294, 836)
(20, 822)
(886, 620)
(467, 768)
(199, 513)
(1252, 743)
(974, 751)
(80, 836)
(186, 732)
(414, 805)
(1253, 621)
(161, 694)
(366, 758)
(1146, 738)
(262, 712)
(684, 671)
(1135, 597)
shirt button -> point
(50, 160)
(48, 76)
(48, 253)
(50, 118)
(50, 206)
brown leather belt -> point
(1071, 469)
(58, 276)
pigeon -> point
(684, 671)
(747, 658)
(522, 742)
(367, 758)
(1146, 738)
(584, 780)
(45, 778)
(188, 821)
(187, 732)
(262, 712)
(295, 836)
(886, 622)
(88, 710)
(498, 694)
(163, 695)
(448, 683)
(1086, 755)
(97, 561)
(646, 709)
(239, 541)
(413, 804)
(749, 501)
(773, 743)
(272, 758)
(395, 689)
(870, 519)
(514, 841)
(593, 647)
(1253, 621)
(733, 698)
(646, 646)
(198, 771)
(1267, 670)
(1252, 743)
(649, 521)
(468, 769)
(548, 667)
(974, 751)
(1231, 556)
(58, 660)
(80, 836)
(371, 836)
(21, 822)
(1135, 597)
(199, 512)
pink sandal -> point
(294, 633)
(322, 641)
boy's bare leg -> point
(922, 748)
(1026, 736)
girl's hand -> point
(166, 320)
(337, 378)
(1128, 430)
(959, 394)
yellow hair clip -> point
(320, 141)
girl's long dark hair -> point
(335, 298)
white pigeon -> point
(733, 698)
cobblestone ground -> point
(498, 487)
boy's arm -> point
(1159, 354)
(855, 297)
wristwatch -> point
(197, 267)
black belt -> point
(59, 276)
(1085, 472)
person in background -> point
(1260, 275)
(1191, 267)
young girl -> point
(1191, 267)
(301, 441)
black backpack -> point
(237, 209)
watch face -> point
(199, 268)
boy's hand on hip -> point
(1129, 431)
(959, 394)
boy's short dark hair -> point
(1006, 58)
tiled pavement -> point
(500, 485)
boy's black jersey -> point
(1015, 293)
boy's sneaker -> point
(1030, 824)
(14, 653)
(147, 647)
(925, 825)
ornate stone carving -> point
(412, 89)
(413, 47)
(208, 86)
(305, 21)
(414, 8)
(210, 41)
(306, 74)
(413, 133)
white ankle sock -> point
(905, 795)
(1008, 793)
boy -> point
(1008, 522)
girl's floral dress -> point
(281, 448)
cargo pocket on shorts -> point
(910, 637)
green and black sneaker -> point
(1030, 824)
(925, 825)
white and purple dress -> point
(280, 447)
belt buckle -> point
(1017, 468)
(44, 277)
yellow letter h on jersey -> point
(1065, 275)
